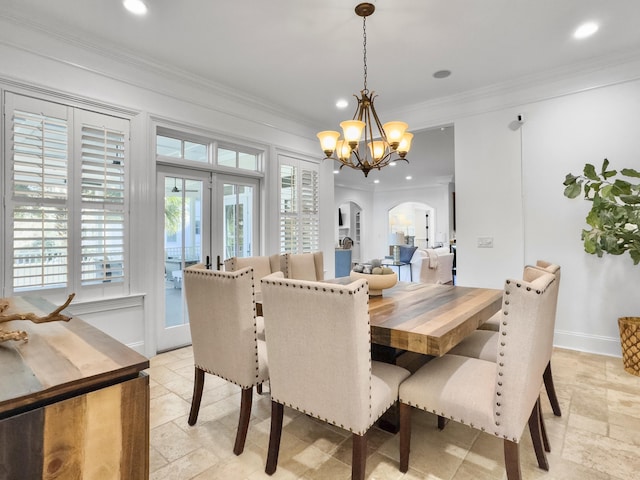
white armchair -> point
(432, 265)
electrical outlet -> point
(485, 242)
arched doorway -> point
(415, 222)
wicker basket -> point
(630, 342)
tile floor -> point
(597, 437)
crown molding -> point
(155, 68)
(599, 72)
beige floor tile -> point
(597, 437)
(166, 408)
(602, 454)
(187, 467)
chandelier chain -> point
(364, 51)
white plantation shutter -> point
(309, 215)
(102, 185)
(299, 206)
(66, 208)
(38, 153)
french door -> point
(186, 235)
(204, 217)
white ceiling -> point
(301, 56)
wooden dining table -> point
(428, 318)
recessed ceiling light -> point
(342, 103)
(586, 30)
(392, 164)
(335, 172)
(408, 177)
(442, 74)
(135, 6)
(376, 181)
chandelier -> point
(392, 141)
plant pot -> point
(630, 342)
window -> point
(177, 148)
(299, 206)
(237, 159)
(66, 208)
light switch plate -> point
(485, 242)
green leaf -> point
(590, 172)
(605, 192)
(572, 190)
(630, 199)
(630, 172)
(569, 179)
(589, 245)
(607, 174)
(621, 187)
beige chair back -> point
(525, 338)
(222, 318)
(304, 266)
(262, 265)
(318, 341)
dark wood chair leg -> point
(243, 421)
(543, 430)
(277, 411)
(405, 436)
(442, 422)
(536, 436)
(551, 390)
(198, 385)
(359, 456)
(512, 460)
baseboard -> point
(138, 347)
(588, 343)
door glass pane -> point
(183, 206)
(238, 220)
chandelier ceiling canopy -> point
(367, 144)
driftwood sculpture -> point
(54, 316)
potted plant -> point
(614, 219)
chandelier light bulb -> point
(343, 150)
(352, 130)
(377, 149)
(394, 132)
(328, 140)
(405, 144)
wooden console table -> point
(74, 402)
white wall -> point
(509, 187)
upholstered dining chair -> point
(222, 318)
(481, 343)
(498, 398)
(318, 340)
(262, 265)
(304, 266)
